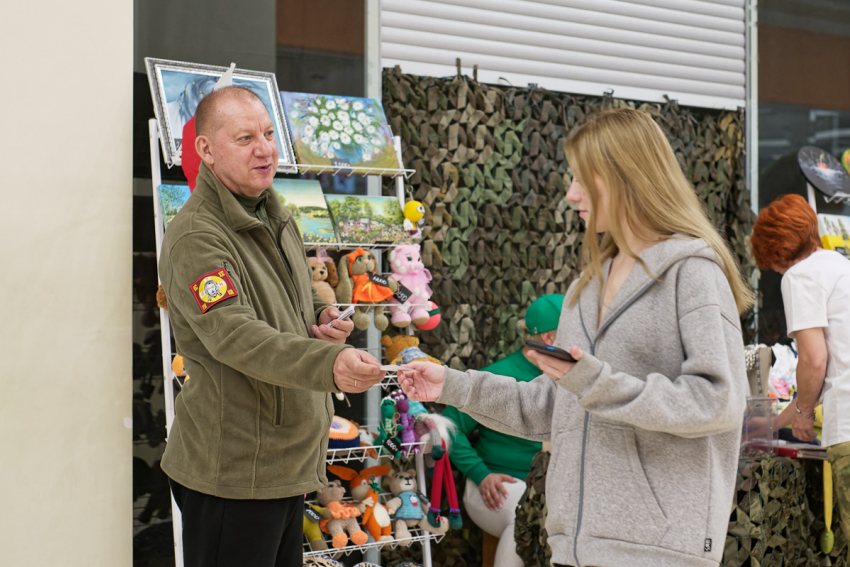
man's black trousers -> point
(221, 532)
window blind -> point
(689, 50)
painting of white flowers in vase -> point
(340, 132)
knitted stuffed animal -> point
(333, 277)
(405, 420)
(311, 528)
(406, 506)
(414, 219)
(376, 518)
(339, 518)
(402, 349)
(389, 427)
(443, 478)
(410, 272)
(432, 428)
(178, 366)
(358, 284)
(436, 431)
(320, 274)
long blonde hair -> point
(632, 157)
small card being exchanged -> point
(390, 367)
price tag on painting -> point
(340, 163)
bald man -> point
(265, 353)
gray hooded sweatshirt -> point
(645, 428)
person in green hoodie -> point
(265, 353)
(497, 464)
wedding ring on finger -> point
(355, 383)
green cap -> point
(543, 315)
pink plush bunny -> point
(409, 271)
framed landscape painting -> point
(171, 200)
(178, 87)
(835, 233)
(304, 199)
(340, 132)
(367, 220)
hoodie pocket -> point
(619, 502)
(562, 482)
(278, 406)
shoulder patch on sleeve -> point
(212, 288)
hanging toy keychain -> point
(443, 475)
(404, 419)
(389, 428)
(414, 219)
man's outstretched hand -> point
(422, 381)
(355, 371)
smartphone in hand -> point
(555, 352)
(345, 314)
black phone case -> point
(555, 352)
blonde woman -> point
(645, 425)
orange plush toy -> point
(339, 518)
(359, 284)
(376, 519)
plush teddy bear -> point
(320, 274)
(409, 271)
(406, 506)
(408, 509)
(333, 277)
(339, 518)
(402, 349)
(359, 284)
(376, 518)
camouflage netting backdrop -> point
(778, 516)
(490, 169)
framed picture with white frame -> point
(177, 87)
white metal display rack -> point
(417, 535)
(334, 455)
(345, 456)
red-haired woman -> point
(816, 294)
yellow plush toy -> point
(177, 365)
(414, 219)
(313, 531)
(402, 349)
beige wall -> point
(65, 268)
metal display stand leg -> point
(420, 478)
(419, 459)
(165, 332)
